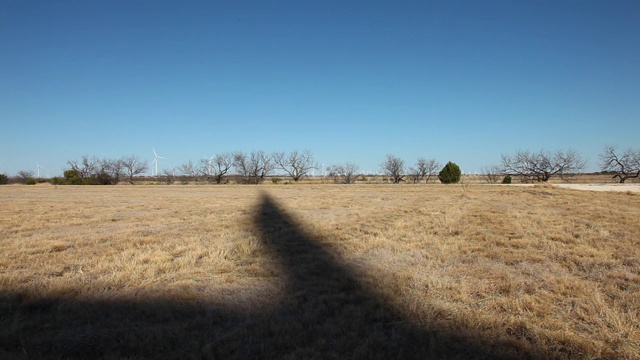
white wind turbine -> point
(209, 170)
(320, 169)
(155, 160)
(38, 166)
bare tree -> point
(433, 168)
(220, 164)
(243, 168)
(204, 169)
(107, 171)
(343, 173)
(625, 165)
(543, 165)
(133, 166)
(491, 173)
(394, 167)
(169, 175)
(296, 164)
(424, 169)
(254, 167)
(190, 169)
(25, 175)
(84, 168)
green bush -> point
(30, 181)
(71, 177)
(91, 180)
(4, 179)
(506, 179)
(450, 173)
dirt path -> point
(601, 187)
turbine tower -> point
(155, 160)
(209, 169)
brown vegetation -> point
(319, 271)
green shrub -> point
(276, 180)
(506, 179)
(71, 177)
(450, 173)
(4, 179)
(30, 181)
(91, 180)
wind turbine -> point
(38, 166)
(210, 159)
(155, 160)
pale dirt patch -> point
(601, 187)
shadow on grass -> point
(326, 314)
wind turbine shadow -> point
(329, 314)
(326, 313)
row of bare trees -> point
(215, 167)
(542, 166)
(252, 167)
(424, 169)
(104, 171)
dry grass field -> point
(319, 271)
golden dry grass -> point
(319, 271)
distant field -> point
(319, 271)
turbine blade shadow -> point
(328, 314)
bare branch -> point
(394, 167)
(133, 166)
(190, 169)
(492, 173)
(85, 168)
(625, 165)
(253, 168)
(25, 175)
(343, 173)
(220, 165)
(296, 164)
(543, 165)
(169, 175)
(425, 169)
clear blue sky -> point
(350, 80)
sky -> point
(352, 81)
